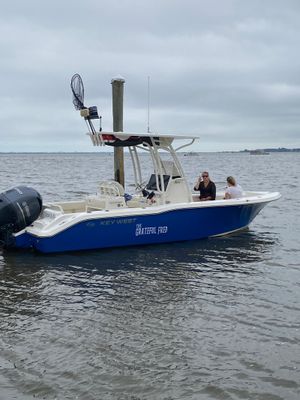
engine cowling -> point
(19, 208)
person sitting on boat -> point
(233, 190)
(149, 195)
(206, 187)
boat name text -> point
(150, 230)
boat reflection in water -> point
(234, 252)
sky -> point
(227, 71)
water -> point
(209, 319)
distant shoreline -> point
(272, 150)
(266, 150)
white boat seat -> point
(95, 202)
(136, 202)
(110, 188)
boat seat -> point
(92, 208)
(137, 202)
(110, 189)
(95, 203)
(104, 202)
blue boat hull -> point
(169, 226)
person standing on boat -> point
(206, 187)
(233, 190)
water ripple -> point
(211, 319)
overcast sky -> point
(228, 70)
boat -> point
(190, 154)
(164, 209)
(259, 152)
(161, 209)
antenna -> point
(148, 127)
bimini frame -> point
(151, 143)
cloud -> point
(280, 93)
(226, 70)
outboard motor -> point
(19, 208)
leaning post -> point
(117, 109)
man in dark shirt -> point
(206, 187)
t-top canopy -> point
(126, 135)
(126, 139)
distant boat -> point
(190, 153)
(258, 152)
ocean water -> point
(208, 319)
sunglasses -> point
(204, 176)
